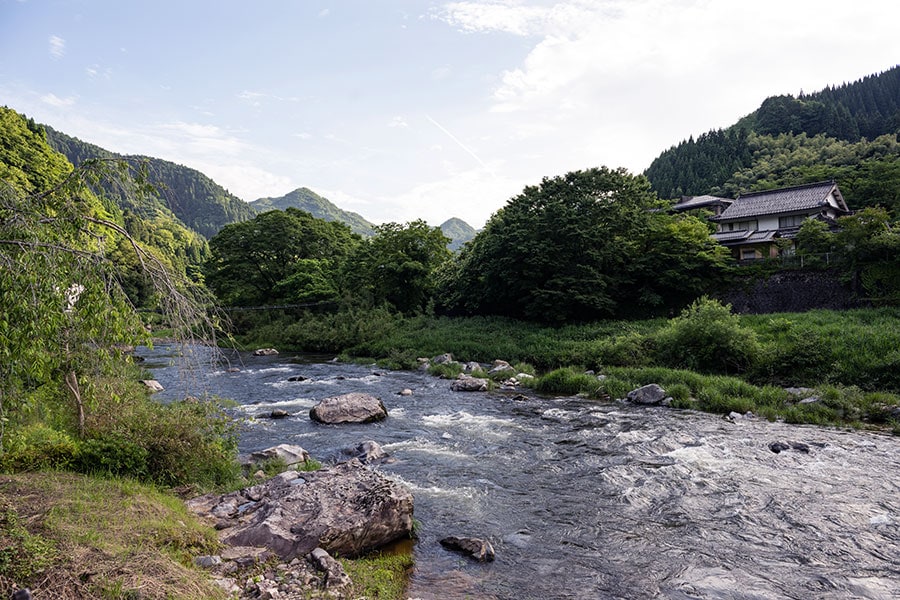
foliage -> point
(579, 247)
(182, 194)
(396, 266)
(708, 338)
(278, 257)
(568, 381)
(841, 133)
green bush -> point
(37, 446)
(568, 382)
(112, 455)
(707, 338)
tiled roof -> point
(785, 200)
(692, 202)
(736, 238)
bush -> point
(707, 338)
(568, 382)
(112, 455)
(36, 447)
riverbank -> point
(70, 536)
(719, 362)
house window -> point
(743, 226)
(750, 254)
(791, 221)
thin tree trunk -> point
(72, 383)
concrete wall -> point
(791, 291)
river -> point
(590, 500)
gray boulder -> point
(289, 453)
(648, 394)
(354, 407)
(501, 366)
(265, 352)
(152, 385)
(442, 359)
(347, 509)
(480, 550)
(467, 383)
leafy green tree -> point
(277, 257)
(586, 245)
(398, 266)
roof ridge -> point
(789, 188)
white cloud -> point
(56, 101)
(398, 121)
(57, 47)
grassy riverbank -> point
(713, 360)
(68, 536)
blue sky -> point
(401, 109)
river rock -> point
(405, 392)
(354, 407)
(279, 413)
(471, 366)
(265, 352)
(442, 359)
(291, 454)
(501, 366)
(368, 451)
(480, 550)
(298, 378)
(336, 579)
(778, 447)
(347, 509)
(648, 394)
(153, 385)
(467, 383)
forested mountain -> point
(195, 199)
(458, 231)
(307, 200)
(787, 133)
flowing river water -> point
(591, 500)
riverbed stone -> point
(648, 394)
(477, 548)
(152, 385)
(467, 383)
(265, 352)
(442, 359)
(291, 454)
(501, 366)
(354, 407)
(348, 509)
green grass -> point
(381, 576)
(856, 352)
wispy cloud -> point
(54, 100)
(57, 47)
(398, 121)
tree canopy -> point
(278, 257)
(586, 245)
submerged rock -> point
(354, 407)
(347, 509)
(480, 550)
(778, 447)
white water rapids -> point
(591, 500)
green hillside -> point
(458, 231)
(847, 133)
(196, 200)
(316, 205)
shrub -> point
(112, 455)
(568, 382)
(37, 446)
(708, 338)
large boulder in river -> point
(347, 509)
(354, 407)
(291, 454)
(467, 383)
(649, 394)
(265, 352)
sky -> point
(415, 109)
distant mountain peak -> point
(458, 231)
(318, 206)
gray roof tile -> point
(784, 200)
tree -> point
(586, 245)
(63, 311)
(277, 257)
(397, 265)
